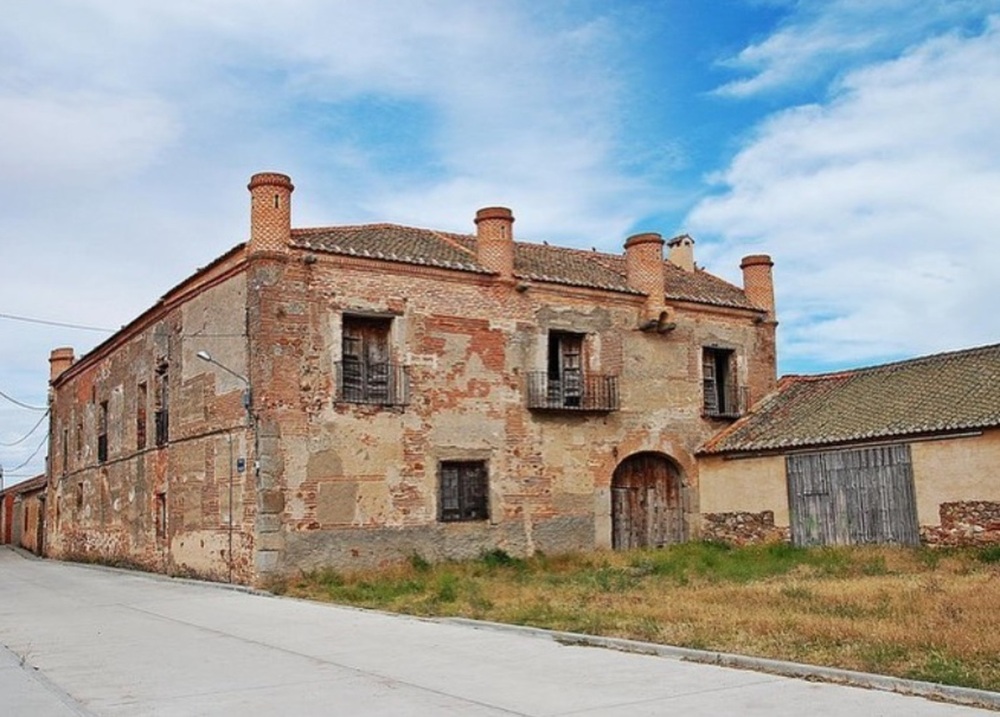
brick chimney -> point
(758, 282)
(495, 240)
(59, 360)
(644, 268)
(681, 252)
(270, 212)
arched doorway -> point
(647, 505)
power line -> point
(61, 324)
(33, 453)
(22, 405)
(26, 436)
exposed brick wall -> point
(758, 282)
(495, 240)
(644, 267)
(270, 212)
(741, 528)
(973, 522)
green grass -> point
(917, 613)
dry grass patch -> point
(915, 613)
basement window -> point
(464, 491)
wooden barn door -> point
(853, 497)
(647, 507)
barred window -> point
(464, 491)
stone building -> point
(905, 452)
(22, 515)
(354, 395)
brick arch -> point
(647, 502)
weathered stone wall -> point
(742, 528)
(356, 485)
(163, 507)
(973, 522)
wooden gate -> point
(853, 497)
(647, 507)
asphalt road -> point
(78, 640)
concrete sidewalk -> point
(103, 642)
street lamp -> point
(251, 423)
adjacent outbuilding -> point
(898, 453)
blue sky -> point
(855, 141)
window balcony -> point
(572, 392)
(727, 401)
(374, 383)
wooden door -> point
(647, 507)
(366, 360)
(853, 497)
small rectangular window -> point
(464, 491)
(141, 396)
(102, 433)
(161, 516)
(162, 413)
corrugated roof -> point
(535, 262)
(942, 393)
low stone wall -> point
(971, 522)
(742, 528)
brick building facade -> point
(350, 396)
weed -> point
(419, 563)
(990, 554)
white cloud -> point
(879, 207)
(823, 36)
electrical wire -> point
(22, 405)
(33, 453)
(27, 435)
(61, 324)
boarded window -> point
(366, 372)
(565, 368)
(464, 491)
(102, 433)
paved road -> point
(85, 641)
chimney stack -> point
(59, 360)
(758, 282)
(495, 240)
(644, 269)
(681, 252)
(270, 212)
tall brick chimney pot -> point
(60, 359)
(495, 240)
(758, 282)
(270, 212)
(644, 268)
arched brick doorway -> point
(647, 503)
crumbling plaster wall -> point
(161, 507)
(355, 485)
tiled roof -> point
(535, 262)
(390, 242)
(943, 393)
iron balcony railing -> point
(728, 401)
(572, 392)
(377, 383)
